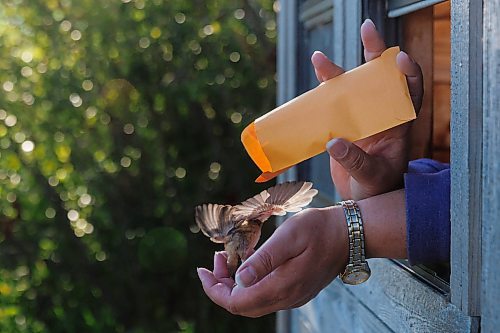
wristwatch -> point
(357, 270)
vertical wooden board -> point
(491, 169)
(442, 10)
(418, 42)
(459, 153)
(441, 123)
(441, 84)
(287, 89)
(466, 158)
(442, 47)
(286, 53)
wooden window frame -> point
(490, 146)
(396, 8)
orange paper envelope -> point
(364, 101)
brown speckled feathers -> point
(215, 221)
(277, 200)
(218, 221)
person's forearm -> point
(384, 222)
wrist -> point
(384, 218)
(335, 218)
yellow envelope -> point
(359, 103)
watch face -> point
(356, 276)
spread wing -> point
(277, 200)
(215, 221)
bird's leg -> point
(232, 257)
(232, 264)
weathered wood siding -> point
(390, 301)
(490, 309)
(466, 158)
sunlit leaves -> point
(116, 118)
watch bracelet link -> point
(357, 257)
(356, 233)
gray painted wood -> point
(287, 63)
(347, 46)
(390, 301)
(491, 170)
(398, 8)
(287, 89)
(286, 53)
(406, 304)
(336, 309)
(466, 159)
(315, 12)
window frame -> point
(490, 306)
(466, 154)
(396, 8)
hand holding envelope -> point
(362, 102)
(386, 104)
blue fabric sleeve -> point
(427, 187)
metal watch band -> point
(357, 270)
(356, 232)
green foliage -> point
(116, 119)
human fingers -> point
(414, 78)
(216, 290)
(265, 297)
(220, 266)
(283, 245)
(294, 282)
(324, 68)
(373, 43)
(361, 166)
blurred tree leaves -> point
(116, 119)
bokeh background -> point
(116, 119)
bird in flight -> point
(239, 227)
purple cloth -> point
(427, 187)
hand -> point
(376, 164)
(302, 257)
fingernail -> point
(369, 21)
(246, 277)
(316, 56)
(407, 55)
(337, 148)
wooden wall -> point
(441, 83)
(426, 37)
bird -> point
(239, 227)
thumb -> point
(360, 165)
(273, 253)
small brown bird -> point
(238, 227)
